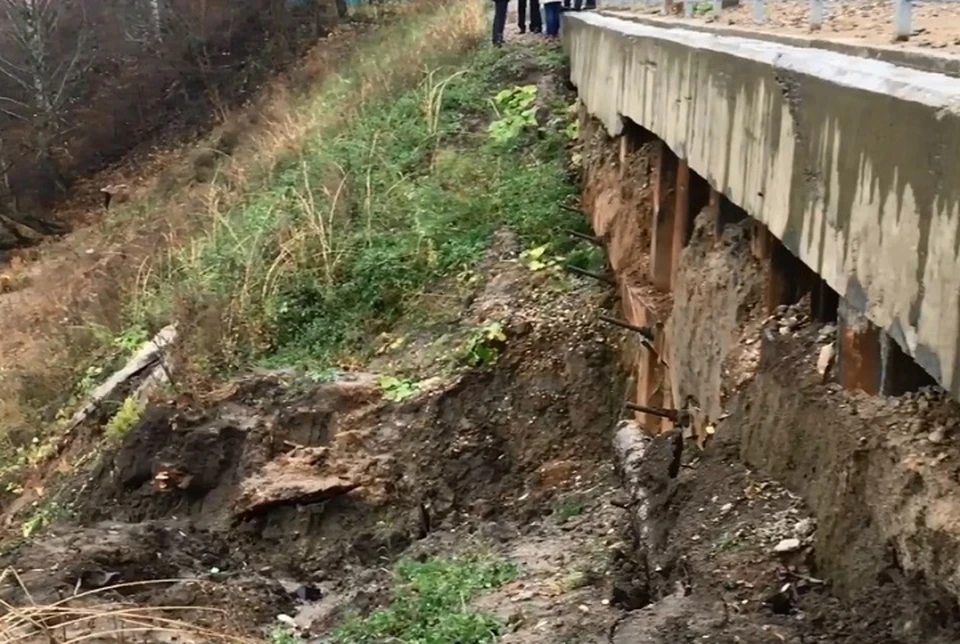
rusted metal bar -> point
(645, 331)
(606, 279)
(596, 241)
(676, 416)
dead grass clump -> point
(96, 616)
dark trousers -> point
(499, 21)
(579, 5)
(552, 12)
(536, 22)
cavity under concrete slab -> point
(849, 162)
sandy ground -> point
(936, 25)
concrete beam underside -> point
(847, 162)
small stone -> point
(287, 620)
(726, 507)
(827, 332)
(938, 435)
(804, 528)
(787, 546)
(826, 359)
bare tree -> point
(45, 66)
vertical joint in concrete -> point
(664, 209)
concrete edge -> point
(913, 58)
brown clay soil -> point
(936, 25)
(870, 496)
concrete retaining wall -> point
(849, 162)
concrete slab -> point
(849, 162)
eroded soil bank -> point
(860, 543)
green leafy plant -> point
(517, 111)
(569, 509)
(587, 258)
(324, 376)
(703, 8)
(430, 606)
(397, 390)
(573, 122)
(44, 513)
(537, 259)
(483, 346)
(284, 635)
(125, 419)
(131, 339)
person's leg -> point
(536, 19)
(499, 21)
(553, 19)
(522, 16)
(577, 5)
(566, 5)
(590, 4)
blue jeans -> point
(552, 14)
(499, 21)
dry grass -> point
(85, 291)
(90, 616)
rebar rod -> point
(597, 276)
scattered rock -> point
(827, 333)
(787, 546)
(804, 528)
(826, 360)
(938, 435)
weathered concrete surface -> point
(922, 59)
(849, 162)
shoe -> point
(523, 30)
